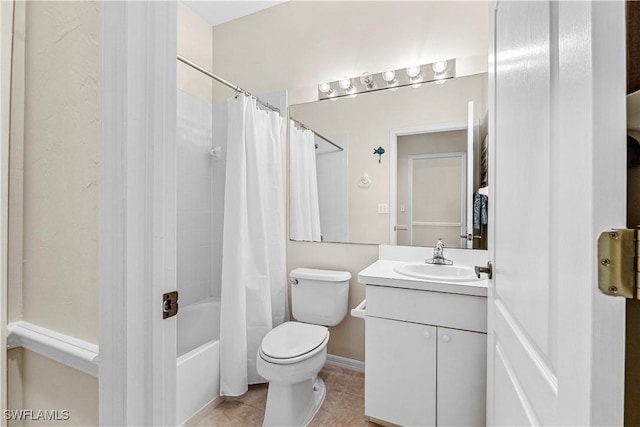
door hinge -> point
(169, 304)
(618, 272)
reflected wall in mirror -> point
(422, 188)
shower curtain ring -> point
(238, 91)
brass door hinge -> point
(169, 304)
(618, 273)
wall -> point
(195, 43)
(55, 164)
(295, 45)
(198, 276)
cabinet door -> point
(462, 373)
(400, 372)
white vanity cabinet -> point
(425, 357)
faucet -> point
(438, 255)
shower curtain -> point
(303, 198)
(254, 280)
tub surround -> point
(198, 364)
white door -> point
(436, 192)
(557, 141)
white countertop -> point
(381, 273)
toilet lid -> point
(292, 339)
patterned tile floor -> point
(343, 404)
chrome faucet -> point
(438, 255)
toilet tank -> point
(319, 296)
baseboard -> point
(345, 362)
(195, 419)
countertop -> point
(381, 273)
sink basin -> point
(437, 272)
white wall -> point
(54, 200)
(297, 44)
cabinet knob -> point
(446, 338)
(427, 335)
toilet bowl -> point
(290, 358)
(292, 354)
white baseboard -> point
(204, 411)
(345, 362)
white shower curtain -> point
(254, 279)
(303, 197)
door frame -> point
(137, 211)
(463, 189)
(6, 38)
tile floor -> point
(343, 404)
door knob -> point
(488, 270)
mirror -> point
(402, 166)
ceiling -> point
(219, 12)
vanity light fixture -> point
(391, 79)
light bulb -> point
(324, 87)
(351, 90)
(389, 75)
(413, 71)
(366, 79)
(439, 66)
(332, 93)
(345, 83)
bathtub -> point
(198, 363)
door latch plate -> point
(618, 263)
(169, 304)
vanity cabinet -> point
(425, 357)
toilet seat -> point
(293, 342)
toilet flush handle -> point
(293, 281)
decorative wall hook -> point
(365, 181)
(379, 151)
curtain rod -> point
(302, 125)
(226, 83)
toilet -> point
(292, 354)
